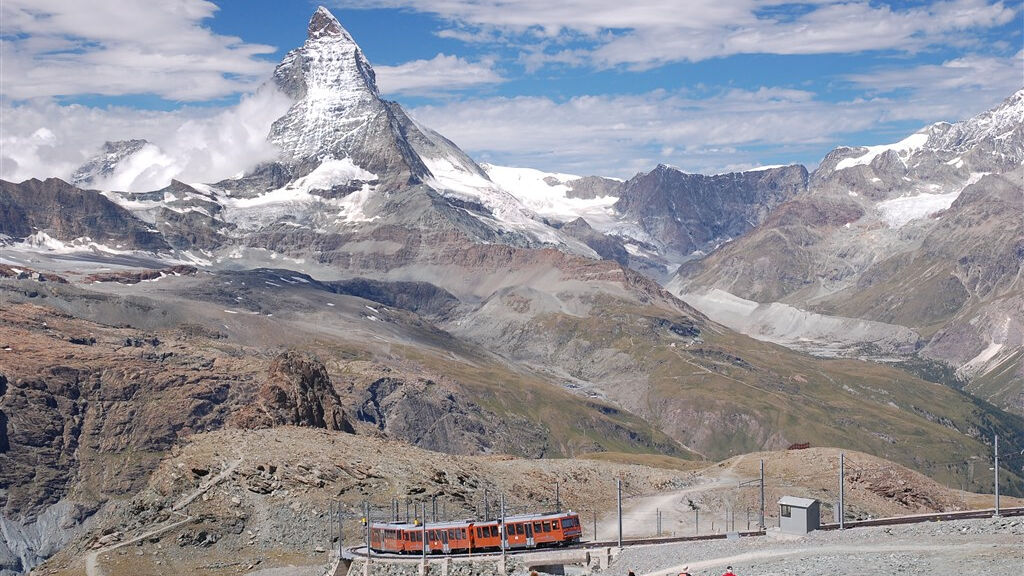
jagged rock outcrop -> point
(297, 392)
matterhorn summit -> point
(338, 113)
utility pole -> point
(618, 490)
(595, 525)
(423, 538)
(558, 503)
(433, 508)
(996, 468)
(842, 490)
(366, 516)
(503, 532)
(760, 525)
(696, 521)
(341, 533)
(487, 511)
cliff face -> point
(688, 212)
(67, 213)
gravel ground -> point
(961, 547)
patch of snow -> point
(41, 241)
(633, 249)
(451, 179)
(328, 174)
(534, 190)
(984, 356)
(904, 148)
(266, 208)
(763, 168)
(900, 211)
(192, 258)
(897, 212)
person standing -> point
(728, 571)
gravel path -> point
(961, 547)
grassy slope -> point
(731, 394)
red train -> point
(526, 531)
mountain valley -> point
(375, 315)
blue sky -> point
(579, 86)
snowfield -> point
(903, 148)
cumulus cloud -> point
(442, 73)
(116, 47)
(43, 139)
(651, 32)
(618, 135)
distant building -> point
(799, 515)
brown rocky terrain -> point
(272, 504)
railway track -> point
(360, 551)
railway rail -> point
(360, 551)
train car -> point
(388, 537)
(539, 530)
(449, 537)
(524, 531)
(486, 535)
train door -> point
(529, 535)
(444, 542)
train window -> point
(519, 529)
(566, 523)
(494, 531)
(547, 526)
(536, 526)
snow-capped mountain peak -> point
(323, 23)
(335, 93)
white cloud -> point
(442, 73)
(652, 32)
(116, 47)
(957, 88)
(618, 135)
(43, 139)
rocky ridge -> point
(922, 234)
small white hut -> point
(799, 515)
